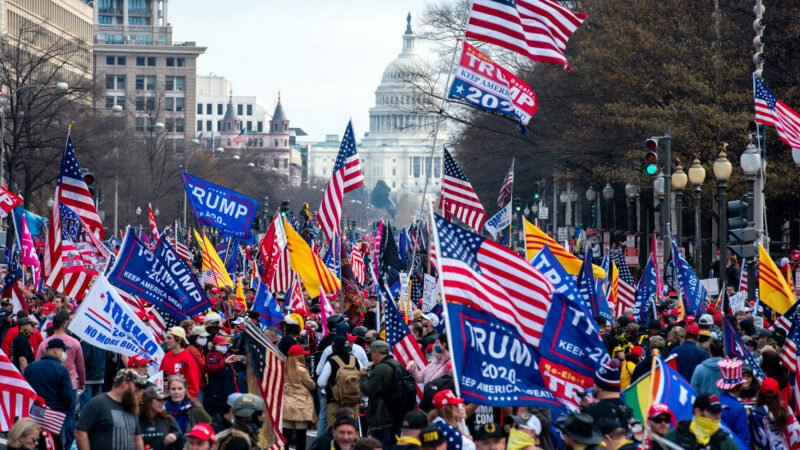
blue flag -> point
(333, 259)
(735, 347)
(402, 244)
(693, 294)
(564, 283)
(37, 225)
(230, 261)
(231, 212)
(269, 312)
(646, 292)
(592, 291)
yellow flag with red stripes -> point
(772, 286)
(240, 294)
(212, 262)
(535, 239)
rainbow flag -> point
(662, 385)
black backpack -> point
(402, 395)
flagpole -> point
(511, 203)
(650, 395)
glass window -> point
(179, 125)
(169, 124)
(208, 125)
(180, 145)
(109, 102)
(139, 123)
(180, 84)
(199, 125)
(110, 60)
(169, 104)
(199, 108)
(276, 163)
(239, 109)
(437, 167)
(394, 170)
(151, 61)
(219, 125)
(285, 163)
(150, 103)
(219, 109)
(140, 60)
(109, 82)
(120, 82)
(169, 83)
(249, 110)
(208, 108)
(276, 143)
(170, 62)
(260, 142)
(121, 101)
(179, 104)
(140, 103)
(417, 166)
(181, 62)
(260, 126)
(120, 60)
(249, 126)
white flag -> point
(499, 221)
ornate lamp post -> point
(679, 180)
(722, 172)
(631, 192)
(751, 165)
(658, 189)
(591, 196)
(697, 175)
(608, 196)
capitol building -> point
(400, 136)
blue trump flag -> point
(592, 293)
(269, 312)
(693, 294)
(546, 262)
(231, 212)
(230, 261)
(160, 276)
(645, 292)
(494, 365)
(333, 259)
(735, 347)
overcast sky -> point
(326, 57)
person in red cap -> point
(689, 355)
(772, 421)
(221, 382)
(201, 437)
(139, 364)
(297, 388)
(660, 419)
(632, 358)
(449, 408)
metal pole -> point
(631, 216)
(666, 210)
(723, 232)
(698, 239)
(116, 191)
(751, 187)
(678, 227)
(555, 208)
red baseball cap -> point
(48, 307)
(215, 290)
(238, 307)
(446, 397)
(637, 350)
(689, 318)
(770, 387)
(693, 329)
(202, 431)
(136, 361)
(297, 349)
(219, 340)
(199, 318)
(658, 409)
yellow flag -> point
(772, 287)
(535, 239)
(308, 265)
(240, 294)
(212, 262)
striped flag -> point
(48, 418)
(538, 29)
(346, 176)
(239, 138)
(458, 197)
(181, 243)
(283, 274)
(772, 286)
(152, 218)
(267, 364)
(274, 254)
(404, 346)
(297, 302)
(357, 263)
(626, 291)
(505, 189)
(489, 277)
(743, 277)
(16, 395)
(212, 261)
(156, 323)
(771, 111)
(72, 193)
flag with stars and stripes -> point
(73, 193)
(458, 198)
(735, 347)
(11, 289)
(626, 290)
(404, 346)
(771, 111)
(743, 277)
(239, 137)
(455, 440)
(357, 263)
(390, 264)
(48, 418)
(333, 259)
(151, 217)
(182, 243)
(505, 189)
(266, 363)
(489, 277)
(17, 394)
(346, 176)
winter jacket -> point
(432, 371)
(221, 382)
(197, 354)
(684, 437)
(51, 381)
(688, 356)
(297, 400)
(377, 385)
(706, 375)
(734, 416)
(94, 359)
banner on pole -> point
(231, 212)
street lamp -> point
(697, 175)
(138, 211)
(631, 192)
(796, 157)
(751, 165)
(564, 197)
(722, 172)
(608, 196)
(155, 213)
(159, 126)
(679, 180)
(591, 195)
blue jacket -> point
(51, 381)
(94, 360)
(735, 417)
(689, 356)
(705, 377)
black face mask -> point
(256, 426)
(212, 330)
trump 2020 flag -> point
(269, 312)
(646, 291)
(693, 294)
(735, 347)
(499, 221)
(231, 212)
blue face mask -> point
(437, 348)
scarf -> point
(180, 412)
(703, 428)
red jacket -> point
(197, 354)
(35, 339)
(184, 364)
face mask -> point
(25, 332)
(202, 341)
(437, 348)
(63, 356)
(221, 348)
(703, 428)
(256, 426)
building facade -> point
(152, 78)
(213, 93)
(400, 135)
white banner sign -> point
(499, 221)
(105, 320)
(430, 294)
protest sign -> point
(8, 201)
(430, 293)
(160, 276)
(231, 212)
(105, 320)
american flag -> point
(357, 263)
(182, 244)
(333, 259)
(789, 355)
(152, 218)
(16, 395)
(538, 29)
(626, 291)
(48, 418)
(489, 277)
(346, 177)
(390, 265)
(505, 189)
(404, 346)
(72, 192)
(771, 111)
(239, 137)
(267, 363)
(11, 289)
(274, 253)
(455, 440)
(158, 324)
(458, 197)
(743, 277)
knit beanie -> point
(607, 376)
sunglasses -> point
(661, 419)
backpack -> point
(346, 389)
(402, 393)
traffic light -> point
(536, 191)
(740, 236)
(88, 178)
(517, 204)
(285, 208)
(651, 157)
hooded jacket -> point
(706, 375)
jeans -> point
(323, 413)
(241, 381)
(68, 429)
(384, 435)
(91, 391)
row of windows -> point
(145, 83)
(76, 55)
(149, 61)
(248, 125)
(171, 104)
(118, 38)
(209, 109)
(171, 124)
(56, 15)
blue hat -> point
(342, 329)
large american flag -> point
(626, 291)
(357, 263)
(16, 395)
(458, 197)
(48, 418)
(505, 189)
(489, 277)
(404, 346)
(771, 111)
(267, 364)
(72, 192)
(538, 29)
(346, 177)
(274, 252)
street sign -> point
(632, 257)
(544, 213)
(607, 238)
(591, 235)
(660, 254)
(562, 234)
(630, 240)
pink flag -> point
(659, 284)
(28, 255)
(326, 310)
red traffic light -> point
(88, 179)
(651, 144)
(651, 157)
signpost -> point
(632, 257)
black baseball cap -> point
(708, 402)
(56, 343)
(415, 420)
(431, 436)
(488, 430)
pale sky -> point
(325, 56)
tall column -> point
(124, 19)
(164, 16)
(153, 15)
(96, 8)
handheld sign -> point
(8, 201)
(231, 212)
